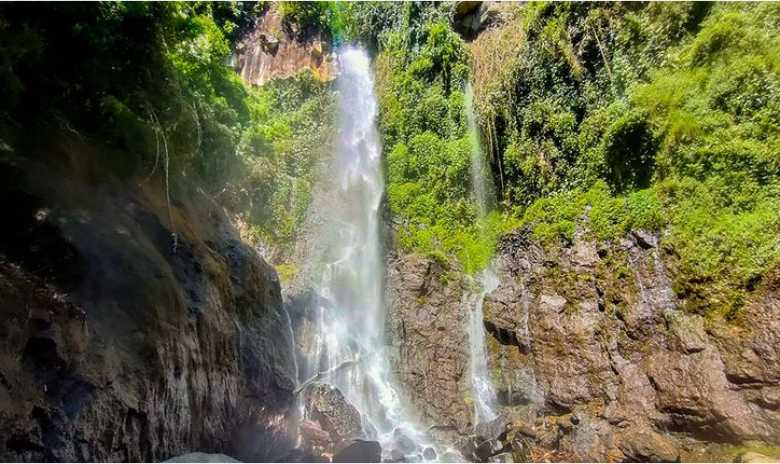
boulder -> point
(402, 442)
(360, 451)
(326, 406)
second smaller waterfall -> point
(484, 394)
(487, 280)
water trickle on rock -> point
(482, 185)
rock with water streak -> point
(426, 322)
(402, 442)
(596, 333)
(326, 406)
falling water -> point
(481, 179)
(350, 350)
(482, 388)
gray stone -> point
(360, 451)
(201, 457)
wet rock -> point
(397, 456)
(316, 441)
(360, 451)
(201, 457)
(467, 445)
(488, 449)
(126, 337)
(326, 405)
(429, 454)
(425, 321)
(403, 443)
(495, 429)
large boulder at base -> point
(360, 451)
(326, 406)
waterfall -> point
(482, 185)
(481, 180)
(350, 351)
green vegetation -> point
(161, 97)
(666, 118)
(602, 117)
(422, 71)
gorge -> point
(397, 232)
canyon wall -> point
(132, 330)
(591, 356)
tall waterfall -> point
(481, 385)
(350, 352)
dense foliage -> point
(664, 118)
(422, 72)
(598, 117)
(150, 81)
(603, 117)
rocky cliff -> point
(425, 321)
(276, 49)
(595, 333)
(131, 330)
(591, 356)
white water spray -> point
(350, 350)
(481, 385)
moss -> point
(732, 452)
(286, 272)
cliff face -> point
(275, 50)
(591, 357)
(426, 322)
(118, 342)
(596, 331)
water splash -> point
(350, 351)
(482, 185)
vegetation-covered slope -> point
(149, 83)
(610, 117)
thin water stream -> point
(482, 185)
